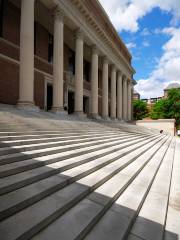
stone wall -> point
(167, 125)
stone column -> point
(58, 57)
(105, 89)
(125, 99)
(26, 81)
(79, 74)
(94, 83)
(132, 91)
(113, 92)
(119, 96)
(129, 101)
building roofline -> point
(113, 28)
(134, 82)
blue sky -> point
(148, 47)
(151, 31)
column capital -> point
(113, 67)
(79, 34)
(119, 73)
(95, 49)
(58, 13)
(105, 59)
(124, 78)
(129, 81)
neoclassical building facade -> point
(64, 56)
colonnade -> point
(121, 86)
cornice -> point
(79, 15)
(101, 28)
(95, 4)
(134, 82)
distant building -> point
(171, 86)
(136, 95)
(144, 100)
(154, 100)
(150, 102)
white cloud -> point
(157, 31)
(125, 14)
(145, 32)
(130, 45)
(145, 43)
(167, 70)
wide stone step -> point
(87, 212)
(16, 181)
(28, 147)
(36, 191)
(172, 226)
(41, 132)
(15, 133)
(18, 166)
(120, 217)
(150, 221)
(42, 213)
(29, 136)
(15, 157)
(63, 137)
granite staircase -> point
(72, 179)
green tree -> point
(168, 108)
(140, 110)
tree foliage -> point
(140, 110)
(169, 107)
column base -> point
(124, 121)
(121, 120)
(114, 119)
(59, 111)
(80, 114)
(95, 116)
(106, 118)
(27, 106)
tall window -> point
(50, 49)
(86, 70)
(35, 36)
(1, 17)
(99, 77)
(109, 85)
(71, 67)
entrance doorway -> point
(70, 102)
(86, 105)
(49, 96)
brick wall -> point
(9, 82)
(41, 41)
(9, 50)
(11, 23)
(39, 89)
(9, 46)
